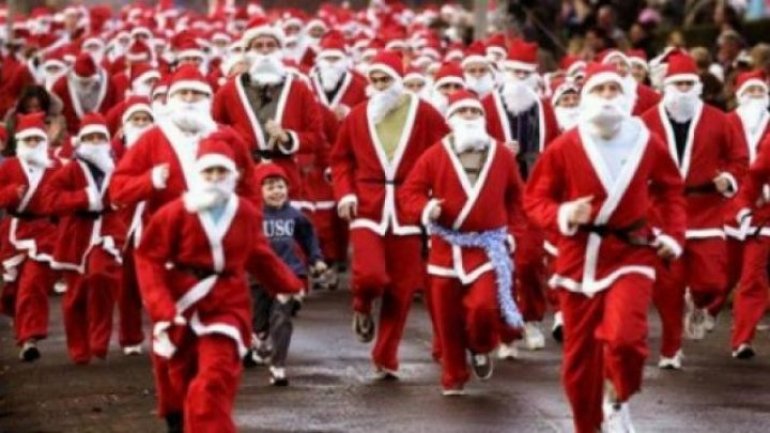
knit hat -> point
(85, 66)
(260, 26)
(449, 73)
(747, 79)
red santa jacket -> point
(27, 231)
(493, 202)
(711, 149)
(188, 263)
(133, 180)
(649, 184)
(361, 171)
(646, 98)
(87, 220)
(352, 91)
(497, 120)
(72, 111)
(297, 113)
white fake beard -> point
(99, 155)
(482, 86)
(518, 96)
(205, 195)
(36, 157)
(159, 109)
(567, 117)
(266, 69)
(681, 106)
(131, 134)
(330, 74)
(383, 102)
(605, 116)
(439, 101)
(630, 86)
(752, 111)
(469, 134)
(192, 117)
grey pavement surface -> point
(332, 391)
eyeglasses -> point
(377, 80)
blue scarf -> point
(493, 243)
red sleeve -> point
(735, 155)
(310, 134)
(545, 189)
(514, 194)
(757, 176)
(667, 193)
(132, 181)
(219, 107)
(61, 195)
(416, 190)
(343, 160)
(9, 191)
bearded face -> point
(34, 151)
(682, 100)
(212, 187)
(753, 107)
(603, 109)
(190, 114)
(330, 72)
(383, 100)
(469, 132)
(266, 69)
(482, 85)
(98, 152)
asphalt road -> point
(331, 388)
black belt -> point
(26, 216)
(89, 215)
(625, 234)
(260, 154)
(382, 181)
(200, 273)
(702, 189)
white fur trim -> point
(294, 144)
(415, 76)
(640, 62)
(474, 59)
(681, 77)
(705, 233)
(93, 129)
(427, 210)
(94, 200)
(214, 160)
(31, 132)
(191, 53)
(272, 31)
(158, 181)
(495, 49)
(381, 67)
(331, 53)
(749, 83)
(449, 80)
(733, 184)
(601, 78)
(669, 242)
(511, 241)
(193, 85)
(562, 219)
(135, 109)
(519, 66)
(346, 200)
(743, 213)
(152, 73)
(464, 103)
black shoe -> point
(744, 351)
(482, 365)
(363, 326)
(558, 333)
(296, 305)
(175, 422)
(248, 360)
(29, 351)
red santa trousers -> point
(735, 254)
(129, 302)
(88, 306)
(701, 268)
(530, 275)
(389, 267)
(332, 234)
(751, 298)
(29, 297)
(465, 317)
(605, 338)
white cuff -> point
(293, 143)
(511, 241)
(766, 192)
(158, 180)
(743, 213)
(669, 242)
(94, 200)
(733, 184)
(344, 201)
(426, 211)
(562, 219)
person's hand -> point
(435, 212)
(722, 184)
(514, 146)
(665, 252)
(341, 111)
(581, 212)
(160, 175)
(275, 131)
(348, 211)
(318, 267)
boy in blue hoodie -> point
(286, 228)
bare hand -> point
(665, 252)
(722, 183)
(581, 213)
(348, 211)
(164, 171)
(341, 111)
(514, 146)
(275, 131)
(435, 211)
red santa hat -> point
(93, 40)
(610, 55)
(496, 45)
(143, 71)
(476, 53)
(260, 26)
(681, 67)
(161, 87)
(332, 45)
(31, 125)
(317, 22)
(214, 152)
(747, 79)
(522, 55)
(597, 73)
(136, 104)
(54, 58)
(188, 47)
(85, 66)
(189, 77)
(449, 73)
(573, 65)
(93, 123)
(265, 171)
(141, 30)
(639, 58)
(561, 86)
(389, 63)
(413, 73)
(139, 51)
(462, 99)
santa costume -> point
(517, 114)
(90, 237)
(601, 186)
(376, 148)
(85, 89)
(702, 144)
(643, 97)
(28, 235)
(191, 266)
(467, 191)
(268, 94)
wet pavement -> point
(332, 391)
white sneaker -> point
(60, 287)
(709, 322)
(133, 350)
(482, 366)
(695, 324)
(533, 336)
(384, 374)
(278, 376)
(617, 418)
(453, 392)
(673, 363)
(507, 352)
